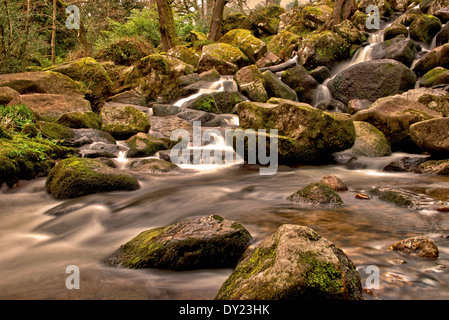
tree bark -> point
(343, 9)
(166, 25)
(216, 23)
(53, 35)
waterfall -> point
(322, 94)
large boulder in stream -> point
(77, 177)
(438, 57)
(394, 116)
(372, 80)
(295, 263)
(198, 243)
(424, 28)
(305, 134)
(400, 48)
(432, 136)
(122, 122)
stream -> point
(40, 236)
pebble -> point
(362, 196)
(442, 209)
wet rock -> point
(77, 177)
(362, 196)
(153, 166)
(401, 198)
(393, 116)
(369, 142)
(321, 73)
(442, 36)
(296, 264)
(434, 167)
(420, 246)
(251, 83)
(209, 76)
(406, 164)
(87, 136)
(277, 88)
(52, 106)
(424, 28)
(7, 94)
(144, 145)
(334, 182)
(395, 30)
(316, 193)
(432, 136)
(78, 120)
(190, 79)
(332, 105)
(442, 14)
(163, 127)
(122, 122)
(438, 57)
(244, 39)
(301, 81)
(400, 48)
(284, 44)
(357, 105)
(99, 150)
(205, 242)
(185, 54)
(372, 80)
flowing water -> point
(40, 236)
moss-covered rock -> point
(301, 82)
(420, 246)
(424, 28)
(398, 197)
(54, 130)
(438, 57)
(250, 45)
(334, 182)
(153, 166)
(144, 145)
(395, 30)
(438, 75)
(205, 242)
(77, 177)
(348, 31)
(185, 54)
(434, 167)
(236, 21)
(78, 120)
(400, 48)
(295, 263)
(122, 122)
(276, 88)
(284, 44)
(226, 52)
(251, 83)
(267, 19)
(22, 157)
(316, 193)
(125, 51)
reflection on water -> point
(39, 236)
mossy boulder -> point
(185, 54)
(284, 44)
(369, 142)
(395, 30)
(398, 197)
(434, 77)
(22, 157)
(394, 116)
(153, 166)
(442, 36)
(126, 51)
(306, 134)
(316, 193)
(276, 88)
(144, 145)
(51, 106)
(243, 39)
(424, 28)
(236, 21)
(385, 9)
(301, 82)
(295, 263)
(226, 52)
(434, 167)
(372, 80)
(251, 83)
(324, 48)
(7, 94)
(432, 136)
(348, 31)
(78, 120)
(198, 243)
(54, 131)
(420, 246)
(122, 122)
(400, 48)
(266, 19)
(77, 177)
(438, 57)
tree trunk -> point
(343, 9)
(216, 23)
(53, 35)
(166, 25)
(24, 43)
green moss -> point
(54, 130)
(394, 196)
(78, 120)
(14, 117)
(217, 217)
(318, 193)
(143, 145)
(206, 103)
(429, 79)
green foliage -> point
(15, 117)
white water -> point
(322, 93)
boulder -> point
(78, 120)
(88, 136)
(236, 21)
(128, 97)
(385, 9)
(434, 99)
(185, 54)
(320, 73)
(356, 105)
(276, 88)
(424, 28)
(125, 51)
(270, 59)
(420, 246)
(153, 165)
(122, 122)
(266, 19)
(324, 48)
(7, 94)
(225, 52)
(284, 44)
(54, 131)
(348, 31)
(369, 142)
(162, 127)
(198, 243)
(400, 48)
(432, 136)
(251, 83)
(398, 197)
(317, 194)
(243, 39)
(209, 62)
(301, 82)
(395, 30)
(393, 116)
(434, 167)
(334, 182)
(305, 134)
(442, 36)
(372, 80)
(438, 75)
(438, 57)
(77, 177)
(40, 82)
(52, 106)
(144, 145)
(296, 264)
(99, 150)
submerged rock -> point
(153, 166)
(77, 177)
(398, 197)
(316, 193)
(420, 246)
(295, 263)
(199, 243)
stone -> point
(395, 30)
(400, 48)
(197, 243)
(143, 145)
(284, 44)
(437, 57)
(320, 73)
(78, 120)
(420, 246)
(251, 83)
(185, 54)
(153, 166)
(398, 197)
(276, 88)
(442, 36)
(122, 122)
(334, 182)
(301, 82)
(424, 28)
(432, 136)
(226, 52)
(254, 48)
(317, 194)
(7, 94)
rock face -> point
(393, 116)
(432, 136)
(122, 122)
(372, 80)
(420, 246)
(295, 263)
(77, 177)
(369, 142)
(316, 193)
(205, 242)
(52, 106)
(305, 134)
